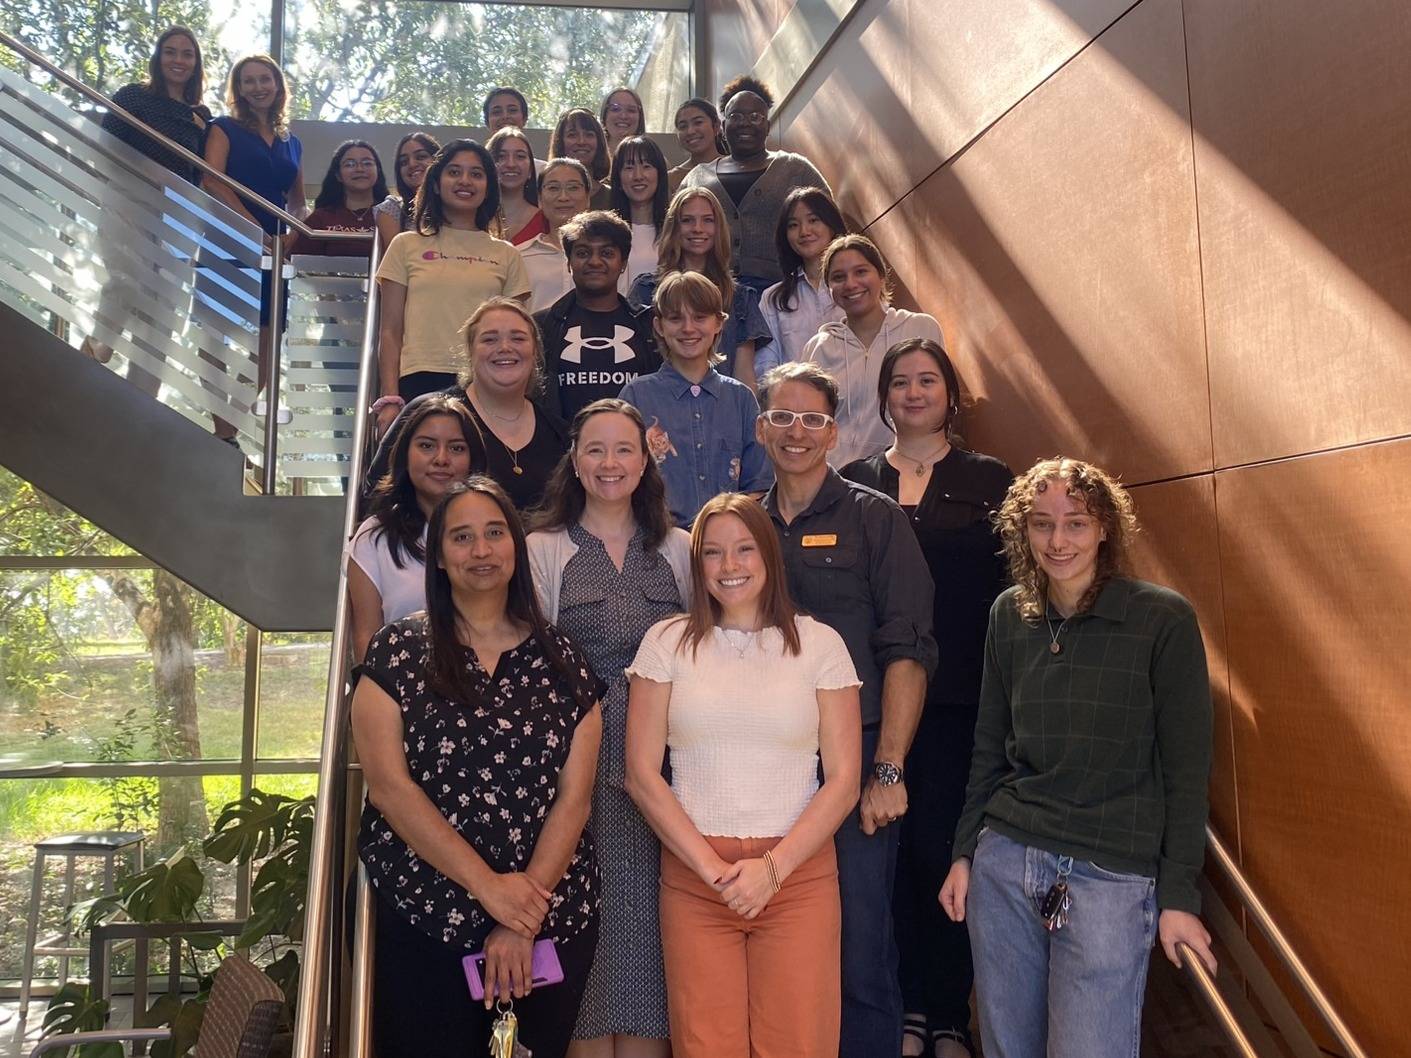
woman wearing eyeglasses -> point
(752, 181)
(622, 115)
(352, 187)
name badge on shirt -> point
(820, 540)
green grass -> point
(72, 722)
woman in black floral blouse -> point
(477, 724)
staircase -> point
(96, 240)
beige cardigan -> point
(550, 551)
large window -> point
(423, 61)
(413, 61)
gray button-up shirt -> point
(854, 564)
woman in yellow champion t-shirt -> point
(435, 276)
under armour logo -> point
(575, 343)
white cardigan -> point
(550, 551)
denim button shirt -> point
(701, 436)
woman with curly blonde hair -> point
(1084, 825)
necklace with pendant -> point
(922, 464)
(1054, 646)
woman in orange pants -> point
(749, 695)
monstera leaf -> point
(257, 824)
(73, 1009)
(164, 892)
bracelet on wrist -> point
(773, 869)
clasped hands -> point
(744, 886)
(519, 904)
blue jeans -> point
(1076, 992)
(867, 868)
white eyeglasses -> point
(812, 420)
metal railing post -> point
(1205, 982)
(311, 1037)
(274, 364)
(1282, 948)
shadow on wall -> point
(1061, 252)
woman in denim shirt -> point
(700, 423)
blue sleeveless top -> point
(268, 170)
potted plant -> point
(276, 831)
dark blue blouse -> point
(267, 169)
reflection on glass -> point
(433, 62)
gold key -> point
(504, 1032)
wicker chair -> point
(240, 1021)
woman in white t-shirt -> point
(639, 182)
(433, 278)
(439, 446)
(749, 695)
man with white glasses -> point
(854, 563)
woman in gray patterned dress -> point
(608, 564)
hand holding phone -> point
(544, 969)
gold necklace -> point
(922, 464)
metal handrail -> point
(1281, 946)
(93, 95)
(330, 811)
(1205, 984)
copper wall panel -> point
(913, 81)
(1315, 571)
(735, 33)
(1060, 254)
(852, 117)
(1303, 164)
(1179, 546)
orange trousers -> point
(762, 988)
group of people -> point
(696, 644)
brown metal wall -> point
(1172, 237)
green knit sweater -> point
(1102, 751)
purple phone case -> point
(544, 968)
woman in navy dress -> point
(253, 145)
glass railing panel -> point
(322, 346)
(101, 242)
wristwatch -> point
(886, 773)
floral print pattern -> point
(491, 768)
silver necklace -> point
(730, 635)
(1054, 646)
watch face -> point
(887, 774)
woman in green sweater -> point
(1083, 831)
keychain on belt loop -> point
(1058, 901)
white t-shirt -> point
(643, 257)
(742, 724)
(403, 590)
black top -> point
(592, 355)
(536, 459)
(952, 524)
(491, 769)
(1100, 751)
(854, 564)
(737, 184)
(171, 117)
(525, 473)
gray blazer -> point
(752, 223)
